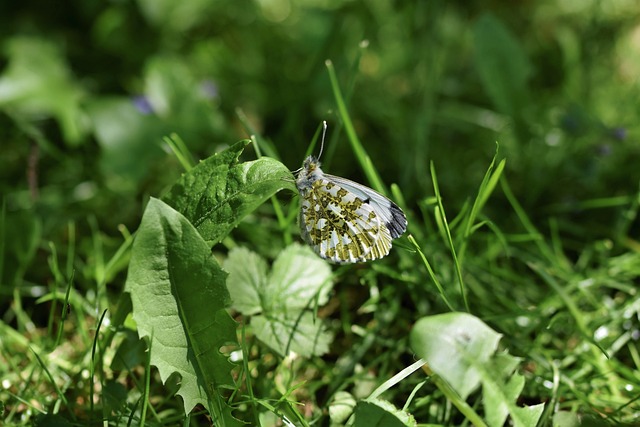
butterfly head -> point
(309, 173)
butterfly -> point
(343, 221)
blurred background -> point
(88, 90)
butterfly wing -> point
(392, 216)
(343, 225)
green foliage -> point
(217, 193)
(281, 302)
(179, 299)
(461, 349)
(105, 108)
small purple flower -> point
(142, 104)
(209, 89)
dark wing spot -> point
(398, 223)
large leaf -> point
(503, 66)
(282, 300)
(460, 348)
(217, 193)
(179, 298)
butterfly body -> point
(343, 221)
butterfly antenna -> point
(324, 132)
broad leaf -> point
(217, 193)
(248, 274)
(285, 297)
(501, 394)
(460, 348)
(299, 332)
(341, 407)
(179, 298)
(299, 279)
(455, 345)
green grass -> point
(142, 286)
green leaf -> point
(288, 331)
(298, 278)
(503, 66)
(247, 280)
(217, 193)
(455, 345)
(380, 413)
(179, 298)
(566, 419)
(38, 81)
(341, 407)
(460, 349)
(298, 282)
(500, 397)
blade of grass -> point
(54, 268)
(247, 375)
(64, 313)
(413, 395)
(397, 378)
(538, 239)
(363, 158)
(92, 364)
(488, 184)
(99, 274)
(61, 395)
(432, 275)
(353, 72)
(262, 143)
(447, 231)
(180, 150)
